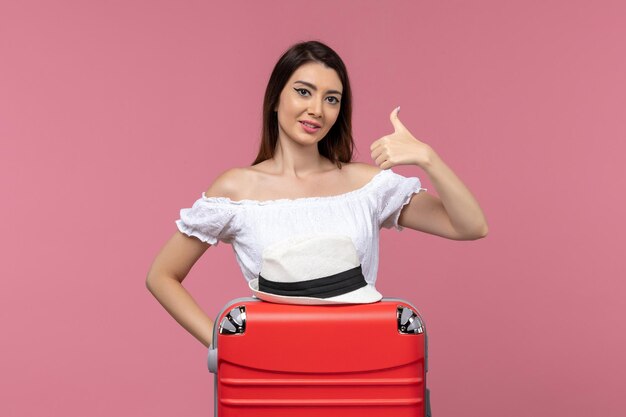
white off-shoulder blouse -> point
(251, 225)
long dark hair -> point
(338, 144)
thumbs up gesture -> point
(400, 147)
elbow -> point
(477, 233)
(484, 231)
(481, 232)
(149, 282)
(155, 281)
(152, 282)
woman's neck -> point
(298, 161)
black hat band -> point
(325, 287)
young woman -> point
(303, 181)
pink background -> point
(114, 115)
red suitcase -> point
(282, 360)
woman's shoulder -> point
(360, 174)
(362, 171)
(229, 183)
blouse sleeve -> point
(393, 195)
(209, 219)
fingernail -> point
(398, 109)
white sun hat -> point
(313, 269)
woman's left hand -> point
(400, 147)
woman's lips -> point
(309, 128)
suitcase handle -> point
(213, 361)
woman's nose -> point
(315, 109)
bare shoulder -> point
(361, 172)
(229, 183)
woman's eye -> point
(304, 92)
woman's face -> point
(311, 96)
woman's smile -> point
(310, 127)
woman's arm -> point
(165, 278)
(456, 213)
(174, 262)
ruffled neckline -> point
(348, 194)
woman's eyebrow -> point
(315, 88)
